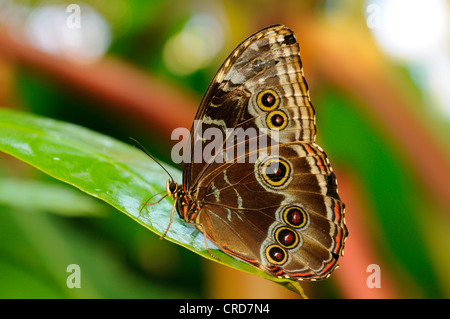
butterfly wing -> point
(274, 206)
(294, 229)
(267, 59)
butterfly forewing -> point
(267, 60)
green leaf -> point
(110, 170)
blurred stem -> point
(124, 89)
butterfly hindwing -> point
(252, 208)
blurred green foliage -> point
(393, 191)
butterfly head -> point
(172, 188)
(186, 208)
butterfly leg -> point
(209, 251)
(201, 228)
(146, 203)
(170, 221)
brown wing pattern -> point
(233, 200)
(268, 59)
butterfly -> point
(274, 206)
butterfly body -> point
(273, 205)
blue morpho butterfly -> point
(281, 211)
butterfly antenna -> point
(151, 156)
